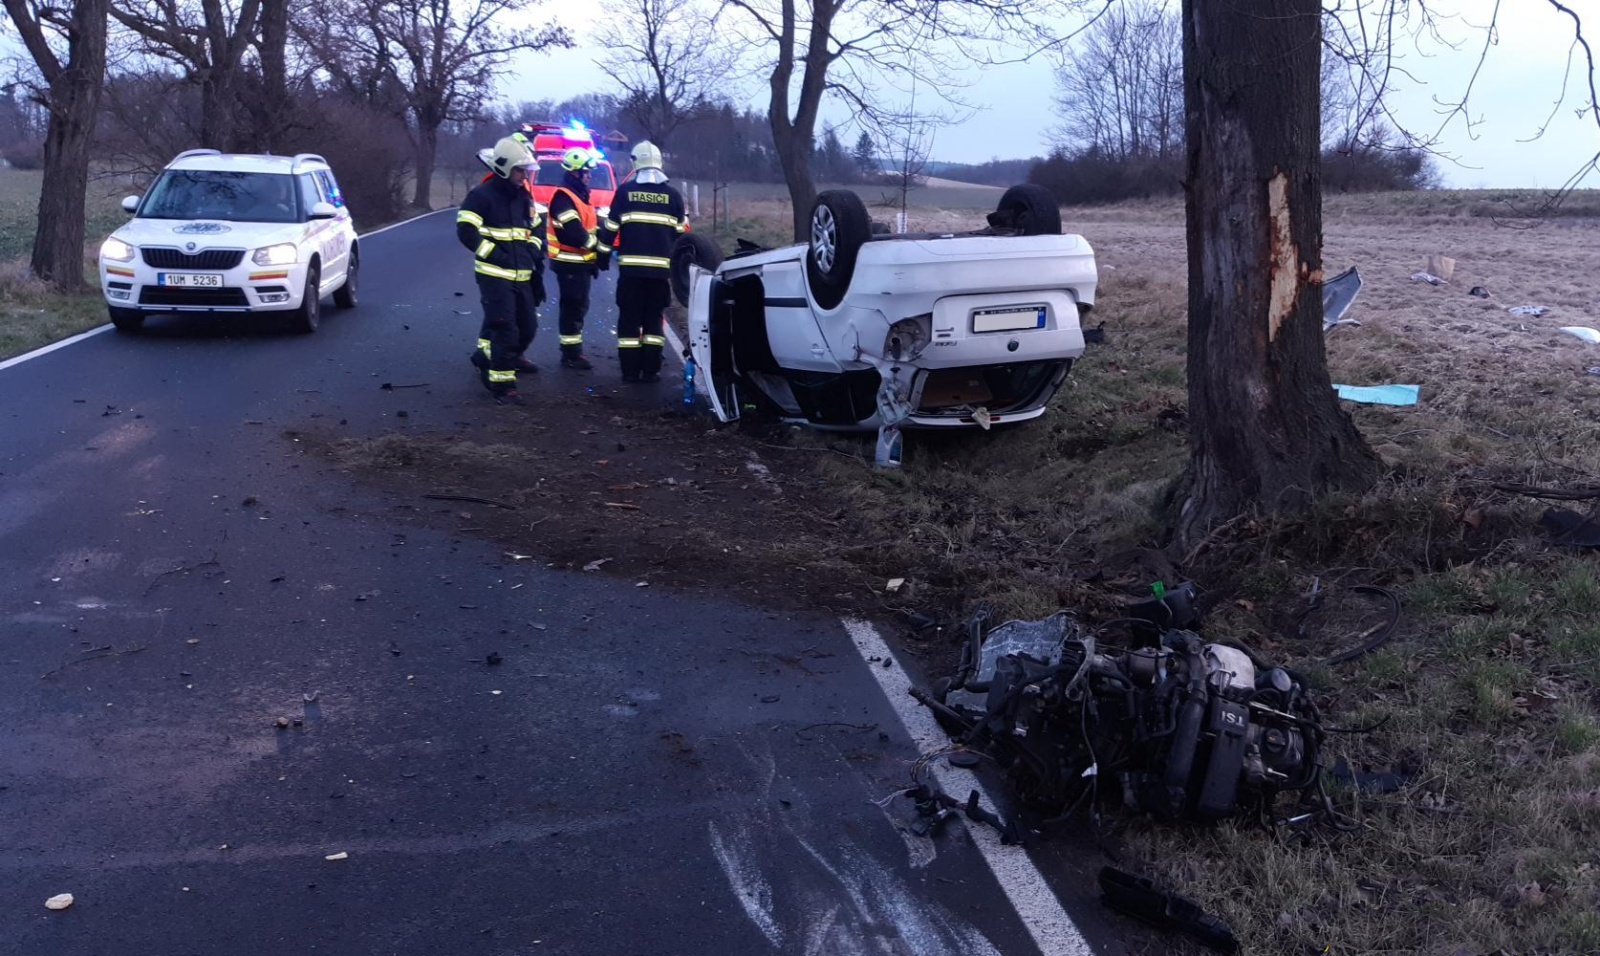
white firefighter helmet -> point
(510, 153)
(646, 155)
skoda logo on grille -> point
(189, 246)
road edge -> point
(1035, 902)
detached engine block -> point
(1186, 728)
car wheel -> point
(839, 227)
(126, 320)
(345, 296)
(306, 318)
(1030, 210)
(692, 249)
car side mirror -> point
(323, 210)
(130, 204)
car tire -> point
(1029, 209)
(126, 320)
(306, 318)
(345, 296)
(692, 249)
(840, 226)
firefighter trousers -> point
(573, 283)
(509, 322)
(641, 300)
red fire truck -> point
(550, 143)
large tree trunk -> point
(74, 95)
(1265, 431)
(427, 151)
(272, 123)
(794, 157)
(217, 105)
(795, 138)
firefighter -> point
(644, 223)
(576, 254)
(497, 221)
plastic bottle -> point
(688, 382)
(889, 446)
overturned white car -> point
(859, 330)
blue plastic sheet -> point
(1379, 394)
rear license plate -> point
(190, 280)
(1010, 319)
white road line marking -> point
(404, 222)
(47, 349)
(1036, 904)
(673, 340)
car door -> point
(328, 234)
(711, 344)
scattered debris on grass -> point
(1379, 394)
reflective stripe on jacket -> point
(498, 222)
(644, 224)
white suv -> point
(223, 232)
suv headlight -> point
(282, 254)
(115, 250)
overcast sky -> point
(1519, 84)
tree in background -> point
(437, 61)
(814, 47)
(1119, 104)
(666, 58)
(68, 47)
(907, 141)
(208, 42)
(866, 163)
(1119, 86)
(832, 163)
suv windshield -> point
(551, 174)
(216, 194)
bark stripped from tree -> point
(71, 93)
(1266, 432)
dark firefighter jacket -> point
(498, 223)
(574, 233)
(643, 226)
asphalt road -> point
(643, 774)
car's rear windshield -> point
(551, 174)
(219, 194)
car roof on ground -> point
(246, 162)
